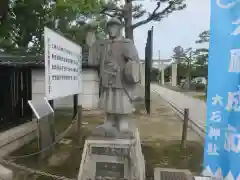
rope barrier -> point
(32, 171)
(45, 149)
(181, 112)
(29, 171)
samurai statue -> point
(120, 87)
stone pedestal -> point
(143, 73)
(110, 158)
(162, 77)
(174, 74)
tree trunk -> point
(4, 7)
(128, 19)
(129, 33)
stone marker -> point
(109, 158)
(5, 174)
(172, 174)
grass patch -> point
(62, 119)
(68, 167)
(170, 155)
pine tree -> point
(131, 10)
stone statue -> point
(120, 75)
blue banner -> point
(222, 142)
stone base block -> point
(111, 158)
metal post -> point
(79, 124)
(75, 105)
(51, 119)
(77, 113)
(185, 128)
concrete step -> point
(5, 173)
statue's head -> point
(114, 27)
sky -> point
(180, 28)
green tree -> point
(185, 59)
(155, 75)
(202, 54)
(130, 11)
(26, 19)
(203, 37)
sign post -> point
(222, 141)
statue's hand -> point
(131, 72)
(114, 66)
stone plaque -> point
(109, 151)
(45, 121)
(107, 169)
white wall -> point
(16, 137)
(88, 98)
(38, 85)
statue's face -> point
(114, 30)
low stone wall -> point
(197, 108)
(15, 138)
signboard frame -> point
(63, 66)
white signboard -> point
(63, 66)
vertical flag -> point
(222, 142)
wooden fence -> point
(15, 91)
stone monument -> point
(113, 151)
(119, 81)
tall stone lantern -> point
(90, 92)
